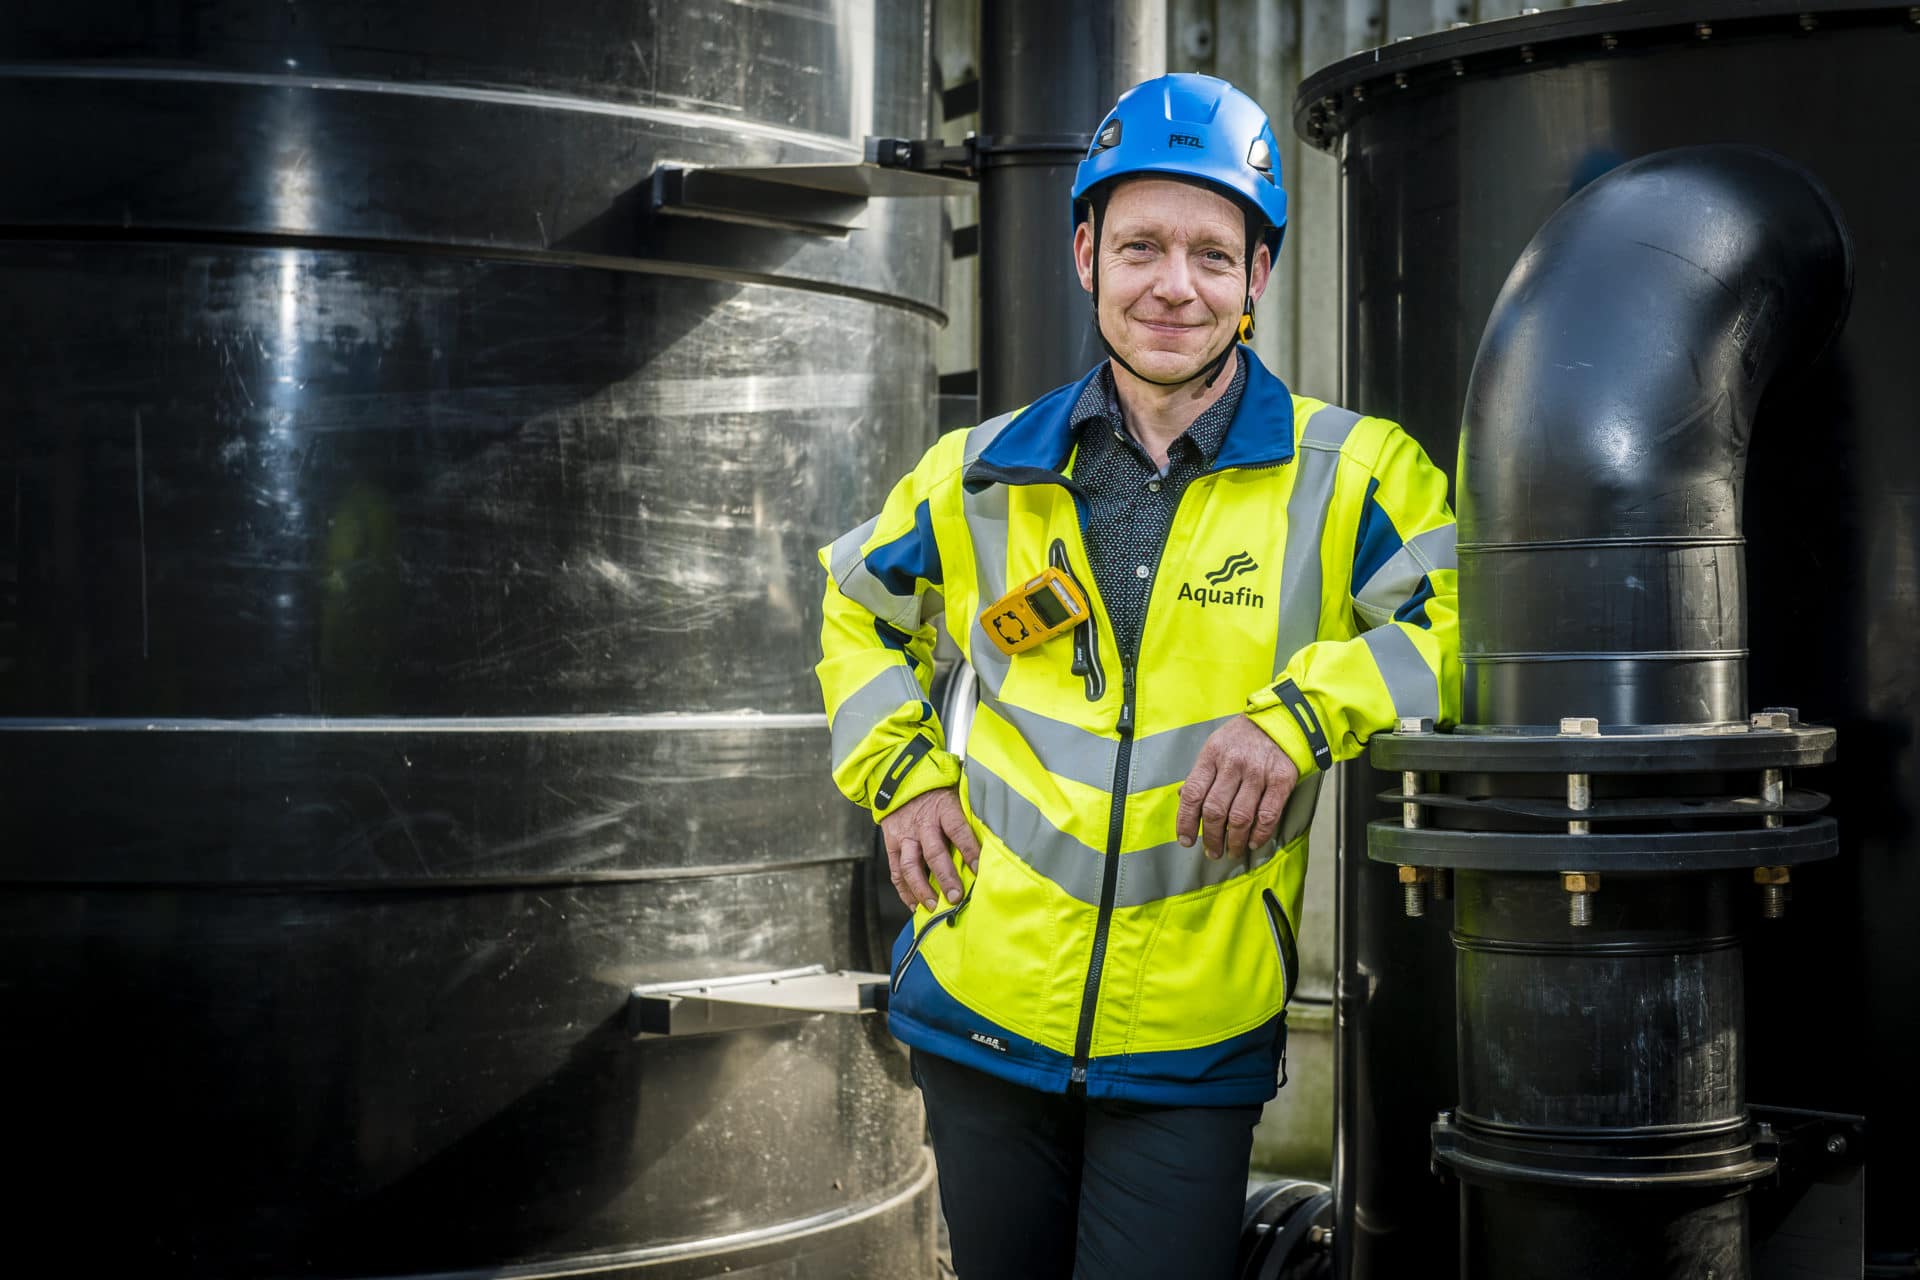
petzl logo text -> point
(1237, 563)
(1184, 140)
(1216, 591)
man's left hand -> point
(1237, 790)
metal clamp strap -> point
(1295, 701)
(903, 764)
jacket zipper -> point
(1109, 879)
(1086, 639)
(1116, 821)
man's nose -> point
(1173, 283)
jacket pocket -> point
(951, 915)
(1283, 942)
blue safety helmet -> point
(1195, 127)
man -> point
(1186, 592)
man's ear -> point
(1262, 270)
(1083, 254)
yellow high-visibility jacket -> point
(1308, 581)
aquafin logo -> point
(1215, 591)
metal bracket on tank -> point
(714, 1006)
(816, 199)
(1809, 1221)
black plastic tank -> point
(1455, 149)
(407, 611)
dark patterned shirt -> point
(1130, 501)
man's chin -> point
(1168, 366)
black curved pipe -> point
(1602, 1129)
(1604, 442)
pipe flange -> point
(1792, 803)
(1750, 748)
(1549, 851)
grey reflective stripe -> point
(986, 514)
(1317, 465)
(1068, 751)
(1298, 815)
(1167, 870)
(1435, 548)
(871, 705)
(1064, 750)
(862, 587)
(1168, 756)
(1409, 679)
(859, 585)
(983, 435)
(847, 561)
(1393, 582)
(1076, 868)
(846, 549)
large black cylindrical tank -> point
(407, 612)
(1455, 148)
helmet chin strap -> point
(1212, 370)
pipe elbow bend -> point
(1604, 436)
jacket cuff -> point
(1284, 714)
(915, 769)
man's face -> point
(1173, 273)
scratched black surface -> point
(1446, 182)
(407, 612)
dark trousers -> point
(1054, 1185)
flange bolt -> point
(1580, 887)
(1773, 883)
(1413, 889)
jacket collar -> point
(1035, 446)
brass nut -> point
(1772, 875)
(1415, 875)
(1580, 881)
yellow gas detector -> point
(1031, 614)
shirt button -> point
(1153, 486)
(1141, 571)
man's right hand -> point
(920, 835)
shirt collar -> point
(1098, 408)
(1035, 442)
